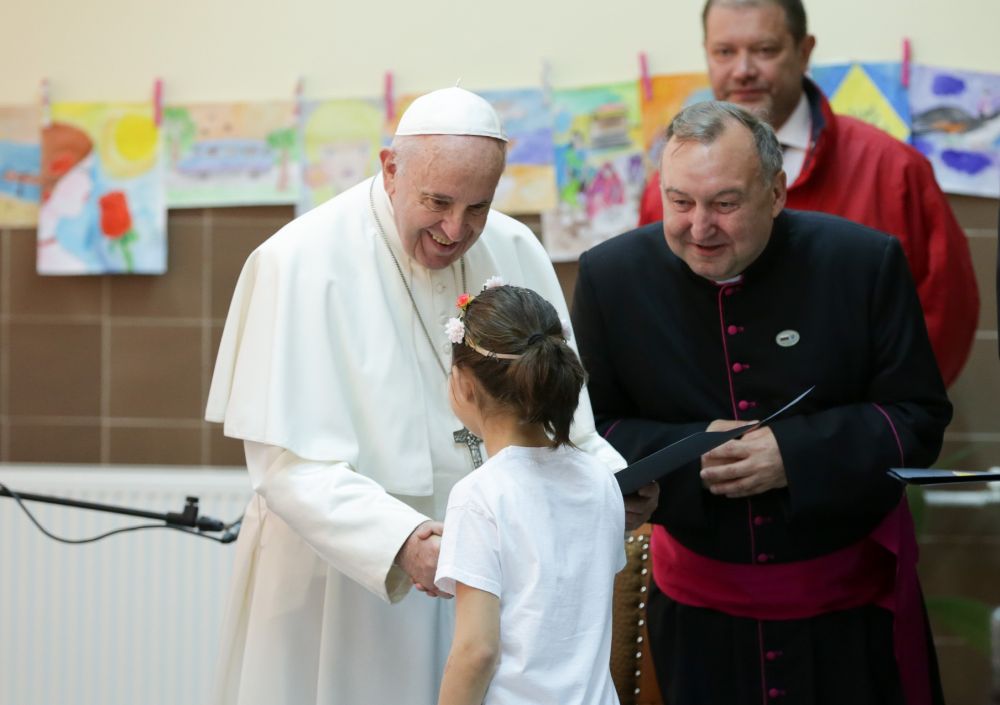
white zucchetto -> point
(451, 111)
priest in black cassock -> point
(784, 562)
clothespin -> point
(390, 99)
(46, 101)
(546, 82)
(298, 99)
(647, 82)
(904, 68)
(158, 102)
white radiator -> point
(132, 619)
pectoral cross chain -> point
(472, 441)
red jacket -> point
(858, 172)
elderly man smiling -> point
(332, 370)
(783, 562)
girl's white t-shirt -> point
(543, 530)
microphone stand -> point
(187, 517)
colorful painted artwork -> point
(671, 94)
(956, 124)
(872, 92)
(20, 166)
(231, 154)
(599, 167)
(341, 140)
(103, 198)
(528, 184)
(399, 107)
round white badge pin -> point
(787, 338)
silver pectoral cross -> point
(472, 441)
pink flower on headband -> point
(567, 332)
(462, 301)
(493, 282)
(455, 330)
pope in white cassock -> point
(333, 369)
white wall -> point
(255, 49)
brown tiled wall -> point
(116, 369)
(959, 556)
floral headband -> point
(455, 327)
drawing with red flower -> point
(116, 223)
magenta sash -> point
(881, 569)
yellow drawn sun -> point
(130, 146)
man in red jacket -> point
(758, 52)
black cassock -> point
(668, 351)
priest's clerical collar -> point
(451, 111)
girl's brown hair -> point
(543, 384)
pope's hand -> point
(640, 505)
(745, 466)
(419, 556)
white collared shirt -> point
(794, 137)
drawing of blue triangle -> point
(829, 76)
(887, 76)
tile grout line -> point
(972, 436)
(90, 319)
(206, 328)
(4, 344)
(111, 421)
(105, 369)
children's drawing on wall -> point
(340, 141)
(20, 166)
(103, 199)
(528, 184)
(599, 167)
(956, 124)
(670, 94)
(872, 92)
(231, 154)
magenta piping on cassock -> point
(725, 353)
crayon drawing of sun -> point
(130, 146)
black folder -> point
(678, 454)
(921, 476)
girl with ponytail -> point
(532, 538)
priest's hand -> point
(745, 466)
(640, 505)
(419, 556)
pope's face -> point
(441, 187)
(717, 209)
(754, 61)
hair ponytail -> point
(547, 380)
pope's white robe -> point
(326, 374)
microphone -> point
(232, 531)
(204, 523)
(189, 517)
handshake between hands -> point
(419, 557)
